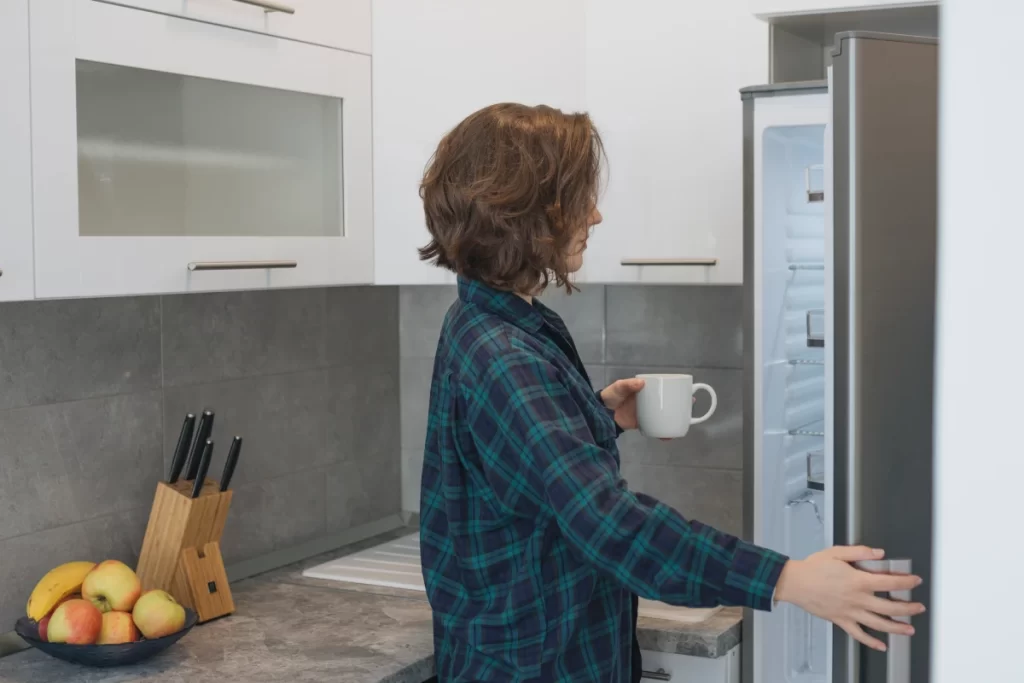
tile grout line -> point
(107, 515)
(324, 436)
(721, 470)
(673, 366)
(163, 393)
(604, 326)
(83, 399)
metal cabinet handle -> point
(241, 265)
(669, 262)
(269, 6)
(897, 666)
(658, 675)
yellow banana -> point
(59, 583)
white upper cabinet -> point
(436, 62)
(343, 24)
(16, 158)
(663, 80)
(171, 155)
(772, 8)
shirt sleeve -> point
(536, 449)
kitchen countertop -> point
(287, 627)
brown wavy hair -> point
(506, 192)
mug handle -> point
(714, 403)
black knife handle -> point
(229, 466)
(181, 450)
(204, 467)
(202, 434)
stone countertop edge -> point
(288, 627)
(709, 639)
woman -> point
(533, 547)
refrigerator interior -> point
(792, 504)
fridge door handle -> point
(897, 667)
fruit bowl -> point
(102, 655)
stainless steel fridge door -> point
(885, 128)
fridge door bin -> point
(815, 192)
(816, 328)
(816, 470)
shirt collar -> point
(506, 305)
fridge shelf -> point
(807, 361)
(806, 266)
(816, 428)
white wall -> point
(979, 561)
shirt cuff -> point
(619, 431)
(753, 576)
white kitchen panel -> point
(436, 62)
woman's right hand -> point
(828, 586)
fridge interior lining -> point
(793, 291)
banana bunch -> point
(59, 583)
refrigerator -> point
(840, 203)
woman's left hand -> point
(620, 397)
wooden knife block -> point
(181, 549)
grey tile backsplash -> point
(56, 351)
(696, 327)
(620, 331)
(93, 392)
(329, 388)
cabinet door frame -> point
(340, 24)
(16, 280)
(68, 265)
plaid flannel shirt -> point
(532, 545)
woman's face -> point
(579, 243)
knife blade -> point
(204, 467)
(229, 466)
(181, 450)
(202, 434)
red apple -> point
(112, 586)
(43, 625)
(117, 628)
(77, 622)
(158, 614)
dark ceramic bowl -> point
(102, 655)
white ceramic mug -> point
(664, 406)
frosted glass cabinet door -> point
(161, 142)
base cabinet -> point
(662, 666)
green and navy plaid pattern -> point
(532, 544)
